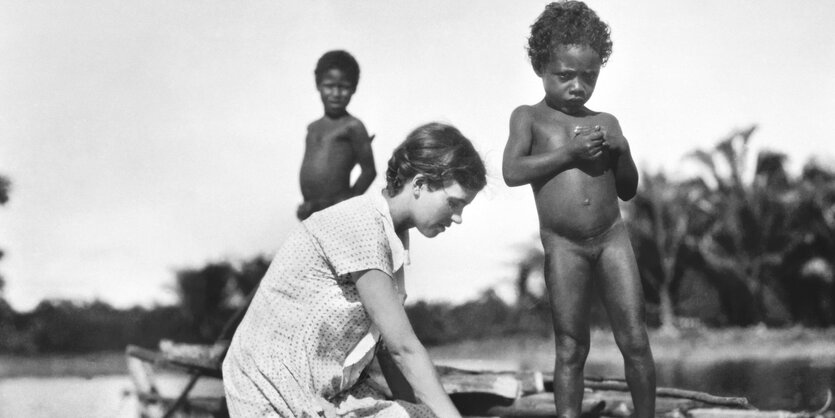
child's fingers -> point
(597, 141)
(593, 150)
(594, 136)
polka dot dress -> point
(288, 355)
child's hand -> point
(588, 143)
(616, 143)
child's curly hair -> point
(341, 60)
(567, 22)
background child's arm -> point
(520, 167)
(626, 174)
(361, 143)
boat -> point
(185, 381)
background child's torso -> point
(328, 160)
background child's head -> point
(340, 60)
(567, 23)
(441, 154)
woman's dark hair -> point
(567, 23)
(442, 154)
(341, 60)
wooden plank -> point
(542, 405)
(142, 375)
(204, 366)
(740, 413)
(499, 393)
(528, 382)
(733, 402)
(606, 384)
(505, 386)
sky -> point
(146, 137)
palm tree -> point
(214, 297)
(664, 217)
(807, 273)
(7, 314)
(203, 296)
(532, 260)
(748, 235)
(5, 188)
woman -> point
(335, 289)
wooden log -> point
(741, 413)
(542, 405)
(619, 403)
(529, 382)
(597, 383)
(502, 393)
(206, 366)
(505, 386)
(736, 402)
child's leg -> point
(621, 293)
(567, 278)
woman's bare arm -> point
(383, 305)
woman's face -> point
(436, 209)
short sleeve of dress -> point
(352, 237)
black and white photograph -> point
(273, 208)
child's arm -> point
(520, 167)
(361, 143)
(626, 174)
(383, 304)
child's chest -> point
(548, 136)
(337, 135)
(552, 133)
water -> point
(787, 384)
(792, 384)
(96, 397)
(50, 397)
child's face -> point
(435, 210)
(335, 91)
(569, 77)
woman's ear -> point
(417, 183)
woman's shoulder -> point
(353, 235)
(357, 213)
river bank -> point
(525, 352)
(691, 345)
(788, 369)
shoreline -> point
(695, 347)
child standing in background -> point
(578, 164)
(337, 141)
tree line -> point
(736, 245)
